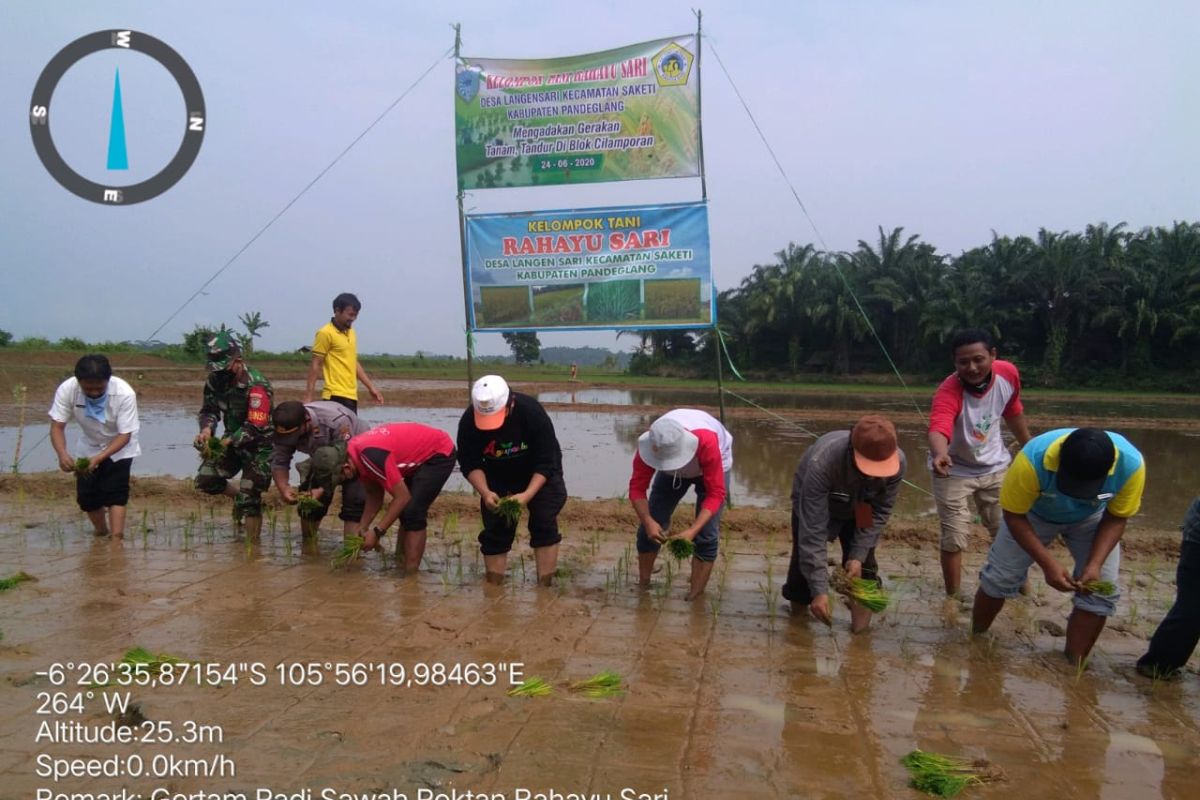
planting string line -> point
(303, 191)
(806, 431)
(816, 230)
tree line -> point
(1108, 306)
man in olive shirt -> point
(507, 447)
(335, 357)
(844, 489)
(307, 428)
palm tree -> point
(903, 278)
(253, 322)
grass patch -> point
(350, 551)
(681, 549)
(614, 301)
(602, 684)
(946, 776)
(673, 299)
(556, 305)
(530, 687)
(862, 591)
(12, 581)
(503, 304)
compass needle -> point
(117, 156)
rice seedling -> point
(83, 465)
(862, 591)
(15, 580)
(154, 661)
(307, 506)
(681, 549)
(349, 552)
(18, 395)
(946, 776)
(509, 510)
(530, 687)
(1101, 587)
(602, 684)
(214, 449)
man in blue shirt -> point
(1083, 485)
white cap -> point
(667, 445)
(489, 397)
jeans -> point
(665, 493)
(1008, 564)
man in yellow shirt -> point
(335, 358)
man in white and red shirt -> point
(412, 462)
(966, 451)
(686, 448)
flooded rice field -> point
(309, 683)
(598, 447)
(723, 698)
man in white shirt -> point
(106, 410)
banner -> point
(623, 114)
(634, 267)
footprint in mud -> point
(1050, 627)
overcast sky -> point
(950, 119)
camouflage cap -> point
(326, 465)
(222, 350)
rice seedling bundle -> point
(307, 506)
(509, 510)
(82, 465)
(351, 549)
(681, 549)
(530, 687)
(862, 591)
(214, 448)
(946, 776)
(1101, 587)
(15, 580)
(602, 684)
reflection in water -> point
(598, 449)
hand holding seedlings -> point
(509, 509)
(860, 590)
(82, 466)
(819, 608)
(655, 532)
(307, 506)
(1059, 577)
(681, 548)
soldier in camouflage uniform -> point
(241, 395)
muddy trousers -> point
(255, 466)
(796, 589)
(1177, 635)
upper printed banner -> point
(625, 114)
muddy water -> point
(720, 696)
(598, 445)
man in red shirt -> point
(685, 447)
(412, 462)
(967, 455)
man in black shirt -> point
(507, 448)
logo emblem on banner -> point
(466, 82)
(673, 65)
